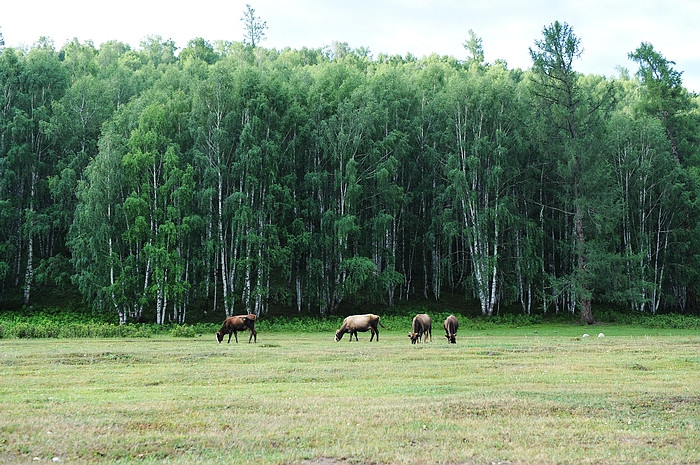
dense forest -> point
(234, 177)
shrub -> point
(57, 323)
(672, 321)
(301, 324)
(183, 331)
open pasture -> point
(515, 396)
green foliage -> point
(646, 320)
(59, 323)
(300, 324)
(195, 330)
(232, 177)
(41, 327)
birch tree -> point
(95, 236)
(30, 138)
(260, 193)
(434, 134)
(480, 175)
(214, 110)
(646, 176)
(664, 97)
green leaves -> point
(235, 178)
(555, 53)
(656, 71)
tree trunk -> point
(222, 247)
(29, 273)
(584, 294)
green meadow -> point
(537, 394)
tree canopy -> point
(231, 177)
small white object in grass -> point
(56, 459)
(601, 335)
(585, 335)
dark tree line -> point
(233, 176)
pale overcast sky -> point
(608, 29)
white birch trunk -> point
(222, 247)
(209, 258)
(29, 272)
(163, 289)
(494, 278)
(120, 311)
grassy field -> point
(539, 394)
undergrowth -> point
(51, 322)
